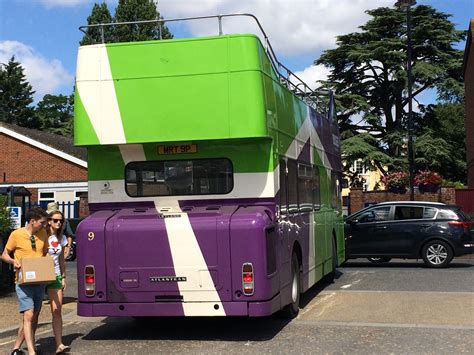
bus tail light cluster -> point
(247, 279)
(89, 280)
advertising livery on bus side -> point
(214, 179)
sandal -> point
(62, 348)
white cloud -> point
(63, 3)
(45, 75)
(312, 74)
(294, 27)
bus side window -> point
(305, 197)
(292, 187)
(283, 195)
(335, 190)
(316, 189)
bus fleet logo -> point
(106, 190)
(168, 279)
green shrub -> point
(5, 220)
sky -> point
(43, 35)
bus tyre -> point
(329, 278)
(291, 310)
(437, 254)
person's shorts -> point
(29, 297)
(57, 284)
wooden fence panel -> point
(465, 199)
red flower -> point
(428, 177)
(396, 179)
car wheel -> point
(291, 310)
(437, 253)
(379, 260)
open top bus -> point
(214, 178)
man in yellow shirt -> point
(27, 242)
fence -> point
(465, 199)
(69, 209)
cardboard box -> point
(36, 270)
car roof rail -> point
(411, 202)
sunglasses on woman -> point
(56, 220)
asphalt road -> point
(397, 308)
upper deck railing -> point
(292, 82)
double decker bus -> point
(214, 178)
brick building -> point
(469, 95)
(47, 164)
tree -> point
(370, 81)
(100, 14)
(126, 11)
(5, 220)
(441, 141)
(138, 10)
(56, 114)
(16, 96)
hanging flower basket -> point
(428, 188)
(396, 182)
(428, 181)
(397, 190)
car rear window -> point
(408, 212)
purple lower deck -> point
(133, 245)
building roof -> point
(470, 34)
(53, 143)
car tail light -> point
(464, 224)
(89, 280)
(247, 279)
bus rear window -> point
(179, 177)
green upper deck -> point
(172, 90)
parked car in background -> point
(434, 232)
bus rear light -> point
(89, 280)
(247, 279)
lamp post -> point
(411, 149)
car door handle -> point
(381, 227)
(426, 225)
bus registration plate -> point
(177, 149)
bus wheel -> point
(291, 310)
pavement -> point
(10, 317)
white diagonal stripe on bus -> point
(132, 152)
(96, 89)
(185, 250)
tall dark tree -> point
(16, 96)
(56, 114)
(138, 10)
(100, 14)
(369, 77)
(441, 141)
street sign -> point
(15, 216)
